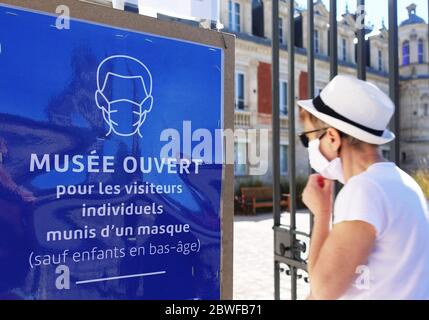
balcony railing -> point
(242, 118)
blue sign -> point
(105, 189)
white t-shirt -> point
(390, 200)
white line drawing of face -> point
(135, 107)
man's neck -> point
(361, 160)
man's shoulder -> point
(364, 179)
(362, 184)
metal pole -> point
(276, 134)
(394, 77)
(310, 48)
(361, 52)
(333, 54)
(333, 40)
(292, 147)
(310, 65)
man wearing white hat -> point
(378, 245)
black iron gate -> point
(290, 246)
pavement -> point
(254, 258)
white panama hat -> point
(355, 107)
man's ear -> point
(334, 138)
(101, 100)
(147, 104)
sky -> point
(377, 10)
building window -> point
(344, 49)
(240, 156)
(385, 153)
(258, 18)
(316, 41)
(281, 37)
(425, 109)
(420, 50)
(406, 53)
(380, 60)
(234, 16)
(283, 98)
(239, 91)
(131, 7)
(283, 159)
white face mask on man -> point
(332, 170)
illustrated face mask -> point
(125, 116)
(332, 170)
